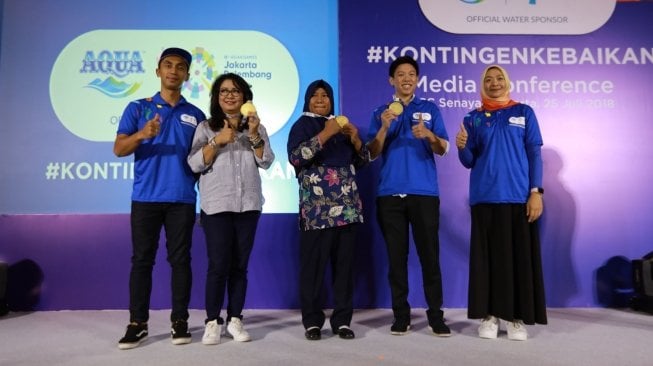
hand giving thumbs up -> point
(461, 137)
(419, 130)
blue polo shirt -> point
(504, 152)
(161, 173)
(409, 163)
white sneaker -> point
(517, 330)
(489, 327)
(212, 332)
(236, 331)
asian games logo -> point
(202, 73)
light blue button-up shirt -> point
(232, 183)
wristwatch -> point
(539, 190)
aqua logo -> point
(202, 73)
(113, 65)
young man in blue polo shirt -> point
(159, 131)
(407, 136)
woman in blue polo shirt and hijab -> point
(501, 143)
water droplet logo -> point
(113, 88)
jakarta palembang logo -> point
(202, 73)
(113, 67)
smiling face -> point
(494, 84)
(230, 97)
(404, 81)
(173, 72)
(320, 103)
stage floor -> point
(574, 336)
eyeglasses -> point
(233, 92)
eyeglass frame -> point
(233, 92)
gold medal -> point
(342, 121)
(396, 108)
(247, 107)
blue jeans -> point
(146, 222)
(229, 243)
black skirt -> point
(505, 265)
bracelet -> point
(258, 144)
(212, 143)
(256, 140)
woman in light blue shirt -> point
(227, 151)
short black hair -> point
(403, 60)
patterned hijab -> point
(493, 104)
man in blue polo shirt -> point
(159, 131)
(407, 136)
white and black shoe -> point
(179, 332)
(135, 335)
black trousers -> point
(229, 244)
(318, 248)
(422, 213)
(147, 219)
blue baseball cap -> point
(174, 51)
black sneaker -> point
(439, 328)
(135, 335)
(180, 333)
(400, 327)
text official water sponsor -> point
(518, 16)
